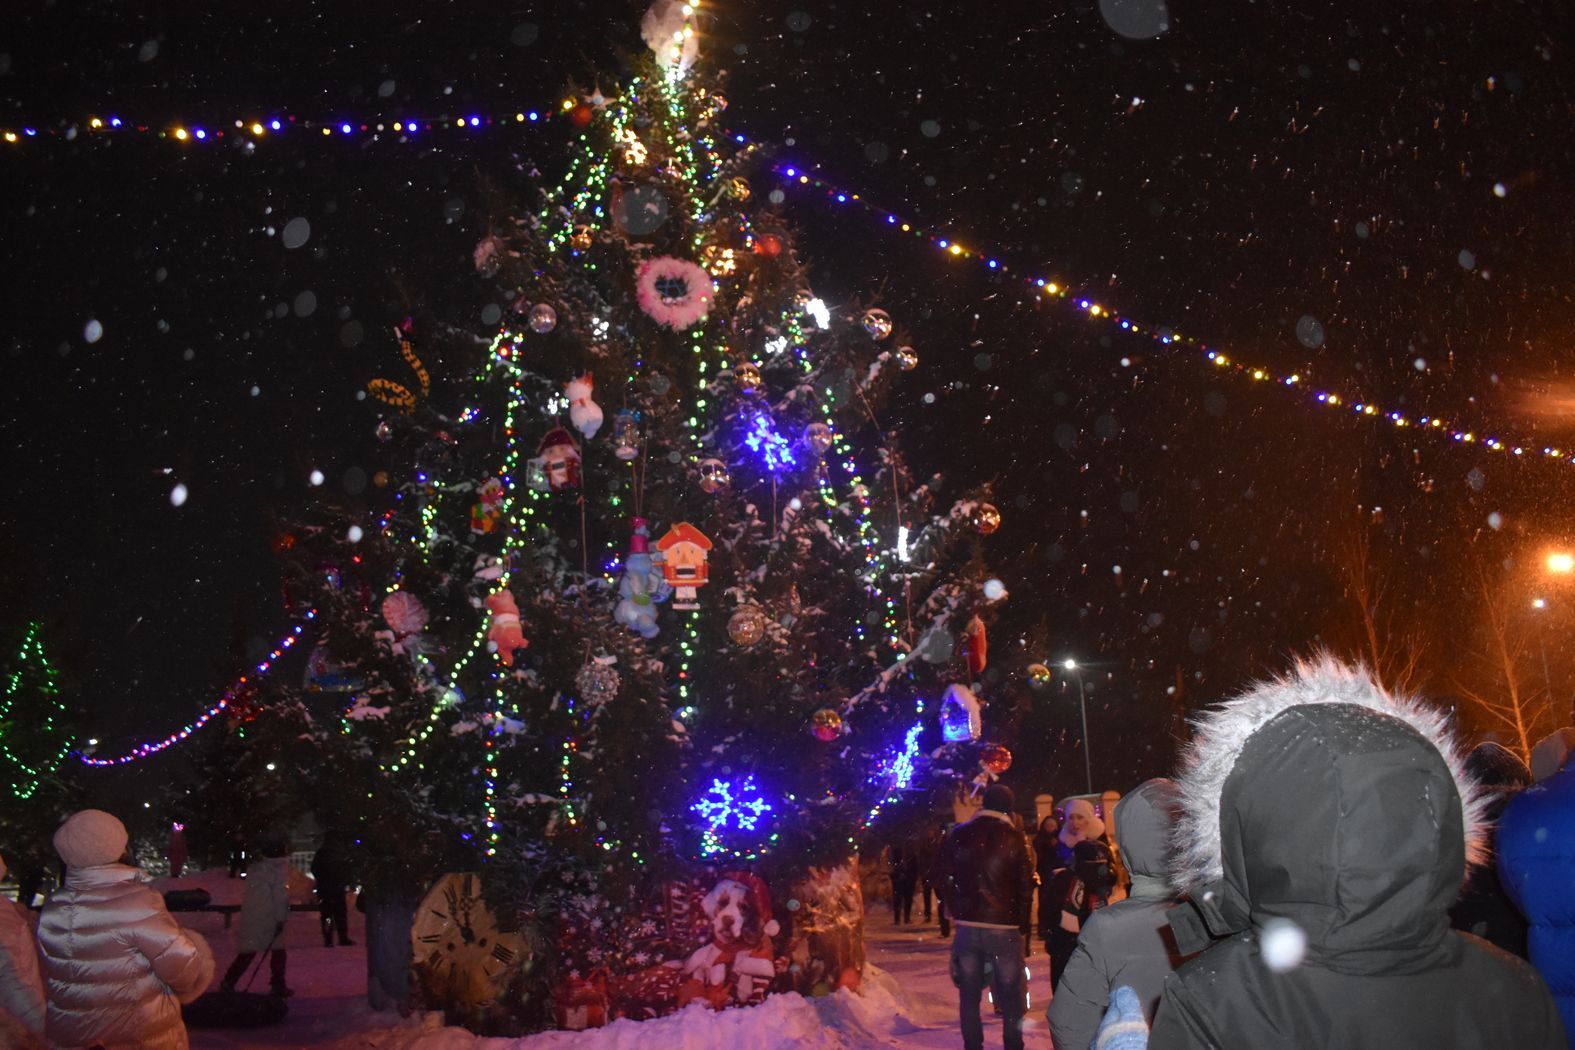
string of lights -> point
(252, 129)
(1093, 311)
(145, 750)
(411, 129)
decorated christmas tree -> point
(654, 605)
(36, 735)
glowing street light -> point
(1561, 562)
(1082, 708)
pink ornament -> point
(675, 293)
(404, 613)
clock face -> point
(457, 942)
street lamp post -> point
(1082, 708)
(1542, 644)
(1557, 563)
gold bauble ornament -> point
(748, 377)
(719, 260)
(986, 519)
(826, 724)
(581, 239)
(738, 188)
(1039, 676)
(747, 625)
(907, 358)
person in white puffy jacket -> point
(265, 907)
(21, 988)
(116, 965)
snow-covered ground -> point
(907, 1001)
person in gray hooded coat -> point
(1326, 828)
(1128, 942)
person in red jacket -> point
(986, 882)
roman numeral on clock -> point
(503, 953)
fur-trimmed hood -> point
(1321, 798)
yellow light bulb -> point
(257, 129)
(180, 133)
(568, 103)
(956, 249)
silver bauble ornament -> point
(877, 323)
(819, 437)
(714, 476)
(907, 358)
(598, 682)
(543, 318)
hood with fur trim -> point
(1320, 798)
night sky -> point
(1377, 200)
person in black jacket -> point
(904, 879)
(1484, 908)
(986, 881)
(1047, 862)
(1326, 828)
(929, 850)
(331, 871)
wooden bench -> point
(229, 910)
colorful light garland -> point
(254, 130)
(1092, 310)
(142, 751)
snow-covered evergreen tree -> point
(653, 589)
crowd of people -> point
(1326, 869)
(1323, 871)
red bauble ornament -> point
(769, 244)
(996, 758)
(580, 115)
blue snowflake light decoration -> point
(737, 807)
(897, 770)
(763, 440)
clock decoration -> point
(461, 958)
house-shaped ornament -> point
(683, 551)
(560, 459)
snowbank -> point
(842, 1021)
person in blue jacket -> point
(1536, 863)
